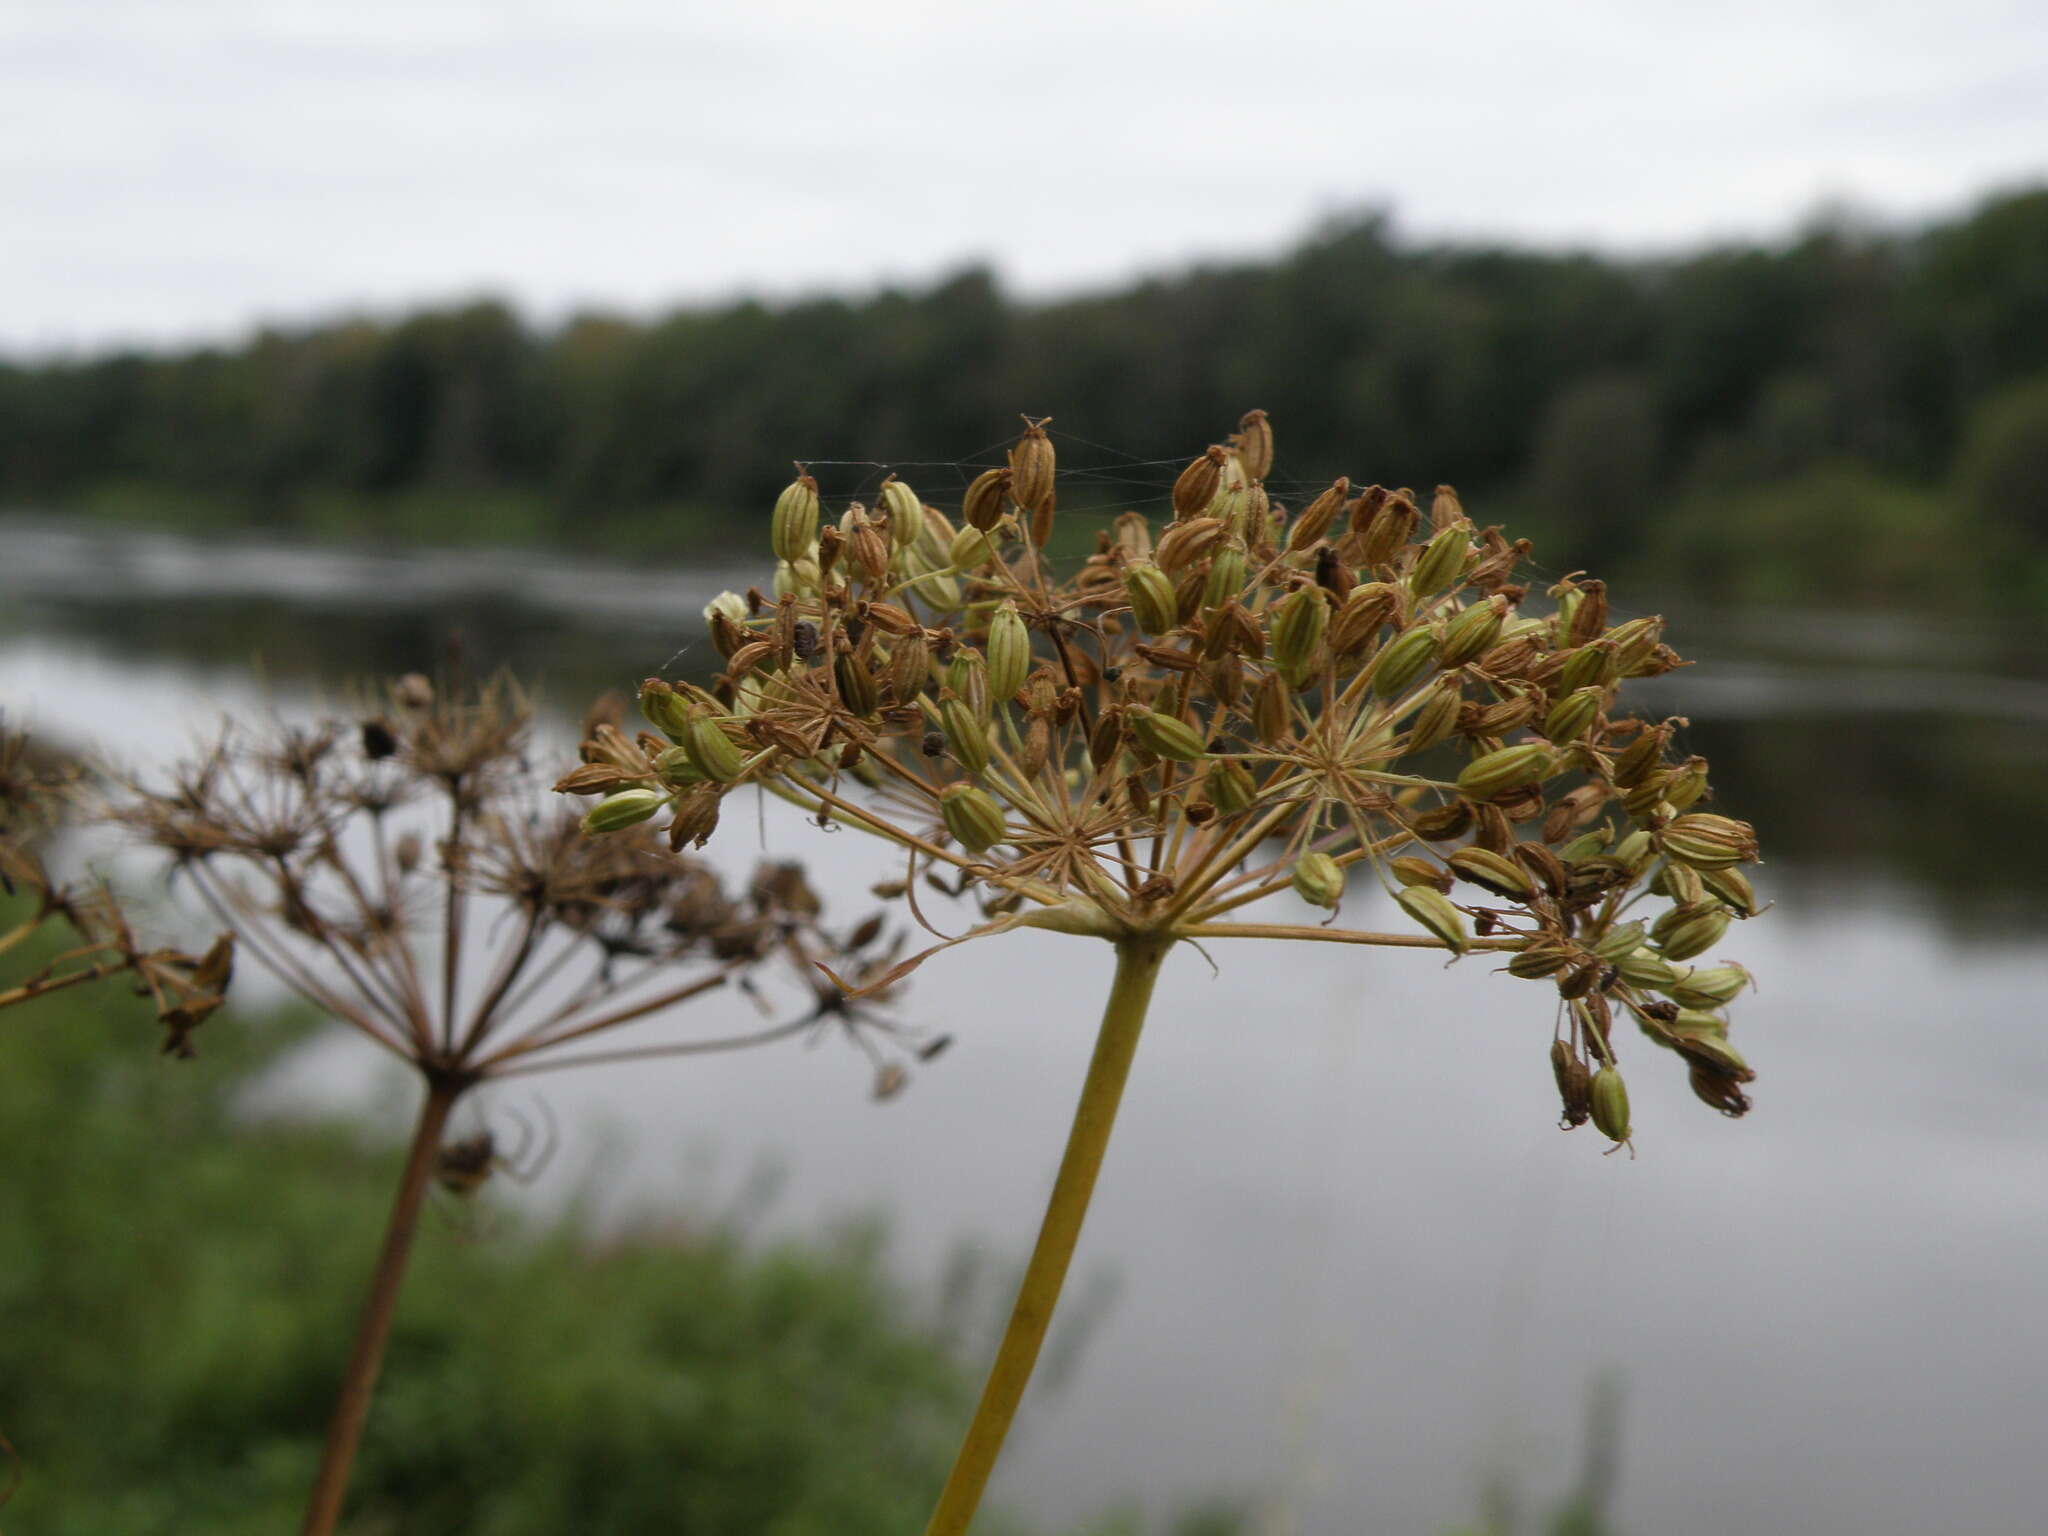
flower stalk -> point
(408, 876)
(1139, 959)
(380, 1306)
(1210, 713)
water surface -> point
(1342, 1259)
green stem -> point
(1138, 961)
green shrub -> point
(177, 1282)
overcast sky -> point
(181, 168)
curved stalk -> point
(1138, 962)
(366, 1359)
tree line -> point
(1845, 404)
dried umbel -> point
(93, 934)
(1224, 707)
(406, 873)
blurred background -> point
(335, 332)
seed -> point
(1445, 510)
(1317, 516)
(713, 751)
(1229, 786)
(1272, 710)
(1226, 575)
(1713, 1052)
(1358, 619)
(1297, 629)
(1390, 525)
(1490, 871)
(627, 808)
(1609, 1095)
(1571, 715)
(1438, 716)
(967, 676)
(729, 603)
(1433, 910)
(1574, 1084)
(1709, 987)
(1646, 968)
(1542, 957)
(1442, 559)
(664, 708)
(1686, 931)
(982, 506)
(1196, 486)
(1166, 736)
(965, 734)
(1009, 653)
(905, 513)
(972, 817)
(1254, 443)
(1640, 758)
(1710, 842)
(1403, 660)
(1032, 463)
(1732, 888)
(794, 527)
(1410, 870)
(1590, 666)
(970, 550)
(1153, 603)
(857, 686)
(1473, 631)
(1318, 880)
(1505, 771)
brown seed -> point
(1254, 443)
(1445, 510)
(1186, 542)
(748, 657)
(982, 507)
(1032, 463)
(1574, 1084)
(1547, 868)
(1392, 527)
(1438, 716)
(1366, 507)
(1589, 619)
(1196, 487)
(1443, 824)
(1316, 518)
(1366, 609)
(1272, 710)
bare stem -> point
(1138, 961)
(1333, 936)
(366, 1359)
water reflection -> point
(1360, 1270)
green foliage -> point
(179, 1280)
(2002, 472)
(1836, 533)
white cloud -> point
(169, 171)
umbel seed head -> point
(1210, 710)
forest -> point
(1853, 415)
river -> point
(1342, 1261)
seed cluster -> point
(404, 872)
(1234, 704)
(88, 935)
